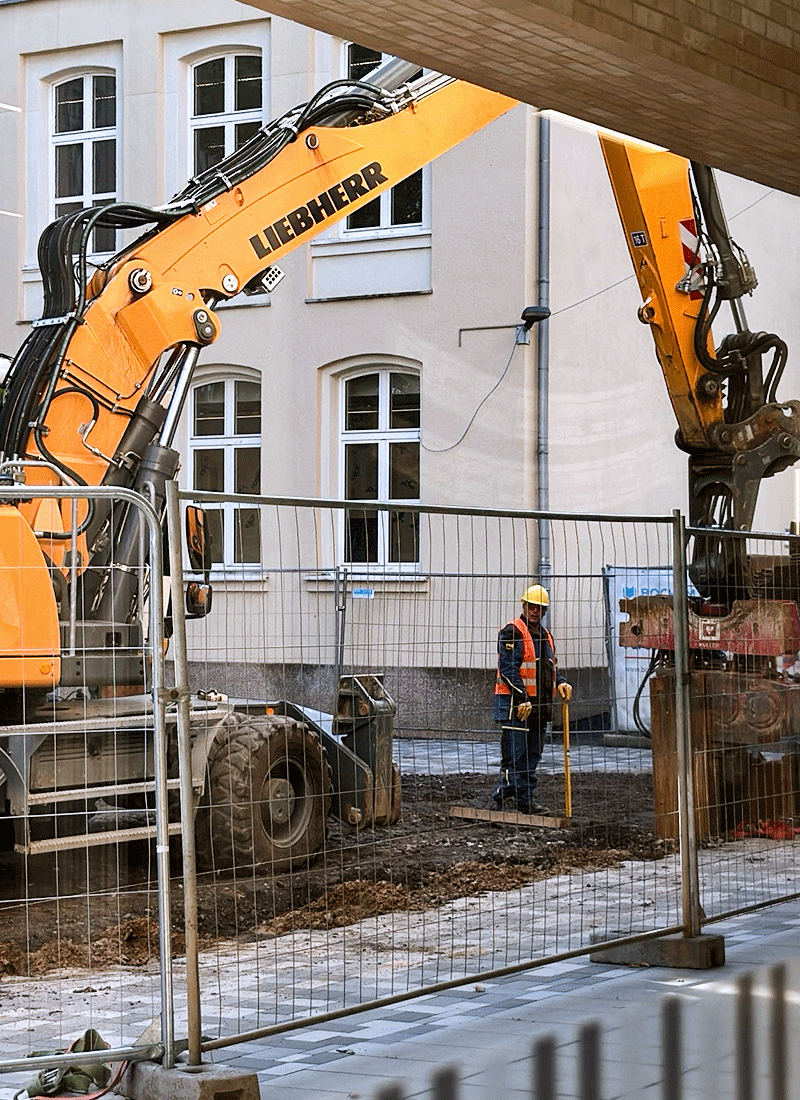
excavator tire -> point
(268, 794)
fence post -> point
(690, 890)
(340, 600)
(182, 695)
(156, 639)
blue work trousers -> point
(520, 752)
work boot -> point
(535, 808)
(503, 800)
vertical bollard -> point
(544, 1069)
(671, 1049)
(778, 1033)
(590, 1063)
(744, 1039)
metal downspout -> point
(543, 347)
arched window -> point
(84, 144)
(402, 207)
(380, 445)
(225, 457)
(226, 101)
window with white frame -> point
(402, 206)
(380, 447)
(226, 105)
(84, 148)
(225, 457)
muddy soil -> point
(427, 858)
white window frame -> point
(385, 230)
(42, 72)
(182, 51)
(229, 117)
(383, 436)
(86, 138)
(228, 443)
(384, 261)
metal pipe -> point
(258, 500)
(149, 1053)
(690, 893)
(543, 348)
(179, 394)
(340, 597)
(128, 496)
(182, 693)
(156, 634)
(390, 74)
(73, 581)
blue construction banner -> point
(627, 668)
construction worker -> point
(528, 680)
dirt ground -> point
(427, 858)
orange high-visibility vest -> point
(527, 669)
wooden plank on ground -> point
(508, 817)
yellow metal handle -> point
(567, 778)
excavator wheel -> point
(267, 797)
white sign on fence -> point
(627, 668)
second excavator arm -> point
(730, 421)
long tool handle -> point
(567, 778)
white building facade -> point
(384, 366)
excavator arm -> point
(730, 421)
(96, 391)
(98, 349)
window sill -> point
(244, 301)
(361, 297)
(364, 585)
(238, 575)
(371, 266)
(385, 241)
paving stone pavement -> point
(438, 756)
(486, 1027)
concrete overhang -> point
(717, 81)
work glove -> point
(565, 691)
(524, 711)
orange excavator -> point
(93, 398)
(94, 395)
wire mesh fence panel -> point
(369, 821)
(417, 878)
(83, 773)
(744, 636)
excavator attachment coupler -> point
(366, 782)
